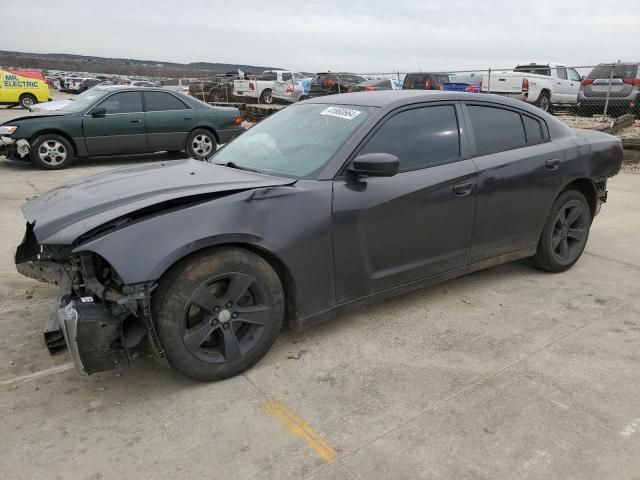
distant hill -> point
(120, 66)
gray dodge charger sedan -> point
(329, 204)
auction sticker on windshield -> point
(341, 112)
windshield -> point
(295, 142)
(84, 100)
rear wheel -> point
(544, 102)
(27, 100)
(565, 233)
(266, 96)
(218, 312)
(201, 144)
(51, 151)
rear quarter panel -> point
(599, 155)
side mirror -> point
(375, 165)
(98, 112)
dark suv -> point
(623, 95)
(425, 81)
(330, 83)
(216, 89)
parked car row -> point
(117, 120)
(547, 85)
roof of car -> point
(398, 98)
(109, 88)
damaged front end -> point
(97, 317)
(11, 148)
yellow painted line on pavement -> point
(297, 427)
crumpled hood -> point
(61, 215)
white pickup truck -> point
(262, 87)
(543, 84)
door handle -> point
(187, 118)
(552, 163)
(462, 189)
(137, 120)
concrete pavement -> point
(506, 373)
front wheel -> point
(565, 233)
(201, 144)
(51, 151)
(218, 312)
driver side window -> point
(420, 138)
(123, 102)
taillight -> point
(525, 85)
(427, 84)
(471, 89)
(586, 81)
(252, 86)
(631, 81)
(369, 88)
(328, 83)
(289, 89)
(238, 120)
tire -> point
(565, 233)
(201, 144)
(51, 151)
(27, 100)
(544, 102)
(195, 338)
(266, 97)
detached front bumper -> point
(89, 331)
(81, 322)
(14, 149)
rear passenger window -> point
(496, 129)
(533, 129)
(420, 138)
(161, 101)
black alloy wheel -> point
(569, 231)
(218, 312)
(225, 318)
(565, 233)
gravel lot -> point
(506, 373)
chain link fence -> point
(583, 96)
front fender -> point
(290, 222)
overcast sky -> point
(311, 35)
